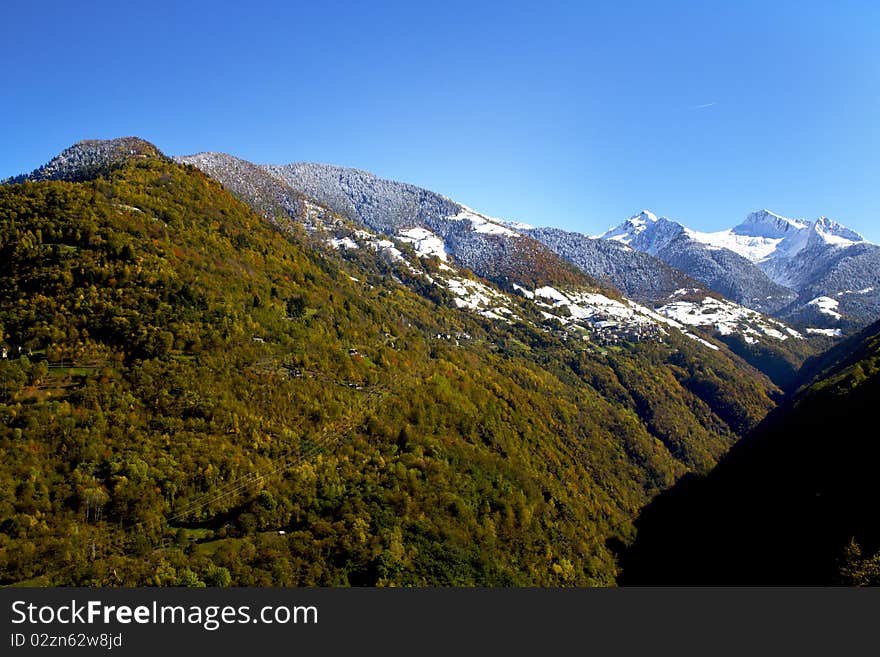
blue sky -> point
(571, 114)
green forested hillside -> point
(192, 397)
(794, 503)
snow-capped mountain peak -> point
(631, 228)
(835, 233)
(765, 223)
(646, 232)
(645, 216)
(764, 234)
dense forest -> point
(191, 396)
(794, 503)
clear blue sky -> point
(572, 114)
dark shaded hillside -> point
(782, 362)
(841, 354)
(794, 503)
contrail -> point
(705, 105)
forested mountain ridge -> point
(184, 382)
(636, 274)
(793, 503)
(488, 247)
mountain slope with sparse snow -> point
(89, 158)
(489, 247)
(412, 226)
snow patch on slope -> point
(826, 306)
(483, 224)
(705, 343)
(425, 242)
(528, 294)
(727, 318)
(866, 290)
(478, 297)
(831, 333)
(343, 242)
(548, 292)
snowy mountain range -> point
(770, 263)
(580, 287)
(647, 279)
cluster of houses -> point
(609, 332)
(458, 337)
(612, 332)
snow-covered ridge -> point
(753, 248)
(483, 224)
(591, 314)
(727, 318)
(468, 294)
(830, 228)
(517, 225)
(765, 223)
(768, 262)
(597, 311)
(765, 235)
(723, 316)
(438, 226)
(424, 241)
(578, 313)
